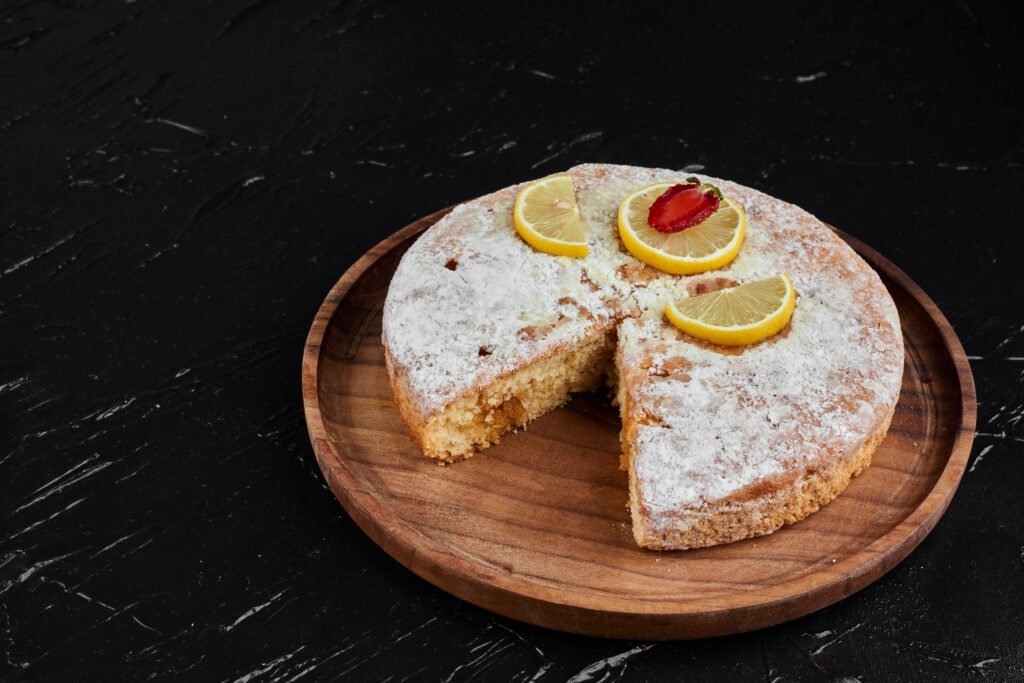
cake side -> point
(478, 418)
(758, 510)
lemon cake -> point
(483, 333)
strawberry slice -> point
(681, 207)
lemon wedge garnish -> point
(547, 217)
(737, 316)
(708, 245)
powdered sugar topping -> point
(471, 301)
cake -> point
(482, 334)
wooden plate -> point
(537, 528)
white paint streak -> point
(810, 77)
(605, 667)
(95, 601)
(593, 135)
(67, 472)
(32, 526)
(981, 455)
(542, 74)
(145, 626)
(245, 678)
(14, 383)
(42, 564)
(316, 664)
(23, 262)
(1001, 435)
(115, 409)
(819, 650)
(182, 126)
(422, 626)
(57, 489)
(248, 613)
(111, 545)
(540, 672)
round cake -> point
(483, 334)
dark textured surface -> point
(181, 185)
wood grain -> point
(537, 529)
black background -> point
(181, 183)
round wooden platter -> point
(537, 528)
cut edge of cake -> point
(480, 416)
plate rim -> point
(535, 603)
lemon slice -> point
(737, 316)
(706, 246)
(547, 217)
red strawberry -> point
(681, 207)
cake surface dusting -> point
(471, 303)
